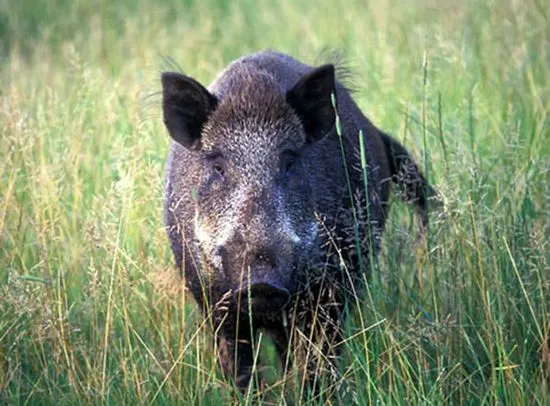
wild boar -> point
(273, 208)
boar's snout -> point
(257, 269)
(262, 296)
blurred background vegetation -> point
(89, 309)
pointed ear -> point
(311, 99)
(186, 105)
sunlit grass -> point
(91, 310)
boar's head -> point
(254, 206)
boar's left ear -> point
(311, 99)
(186, 105)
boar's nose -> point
(262, 298)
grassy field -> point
(90, 311)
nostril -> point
(263, 297)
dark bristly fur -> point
(258, 207)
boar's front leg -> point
(280, 336)
(323, 360)
(323, 323)
(236, 357)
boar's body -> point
(257, 198)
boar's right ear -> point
(311, 99)
(186, 105)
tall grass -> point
(89, 309)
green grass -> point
(90, 311)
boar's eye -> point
(216, 164)
(218, 168)
(288, 162)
